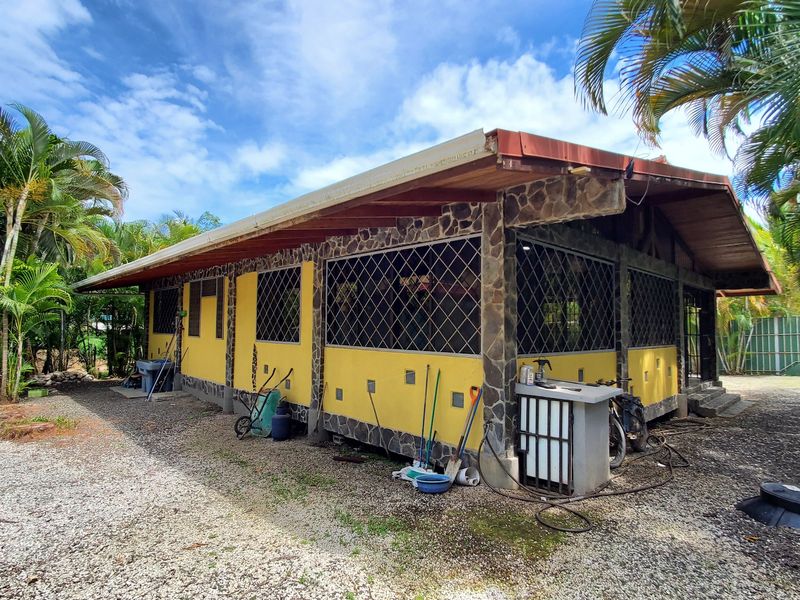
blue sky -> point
(234, 107)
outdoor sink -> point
(571, 391)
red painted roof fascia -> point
(518, 144)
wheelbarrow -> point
(261, 406)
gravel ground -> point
(161, 501)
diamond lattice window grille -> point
(565, 301)
(195, 293)
(653, 313)
(165, 307)
(278, 305)
(424, 298)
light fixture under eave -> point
(582, 170)
(526, 247)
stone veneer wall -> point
(563, 198)
(545, 201)
(457, 220)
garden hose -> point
(557, 501)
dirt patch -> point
(23, 422)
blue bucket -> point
(433, 483)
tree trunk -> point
(4, 382)
(7, 262)
(37, 236)
(18, 375)
(9, 227)
(10, 248)
(61, 363)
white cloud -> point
(525, 94)
(31, 71)
(312, 57)
(258, 160)
(157, 133)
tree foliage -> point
(731, 64)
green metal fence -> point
(775, 346)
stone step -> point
(704, 396)
(716, 405)
(697, 388)
(736, 409)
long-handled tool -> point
(454, 463)
(178, 329)
(433, 416)
(378, 423)
(424, 413)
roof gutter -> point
(459, 151)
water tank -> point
(281, 427)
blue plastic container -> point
(281, 427)
(433, 483)
(149, 370)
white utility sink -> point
(563, 435)
(570, 391)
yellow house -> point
(449, 270)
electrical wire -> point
(664, 452)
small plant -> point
(317, 480)
(65, 423)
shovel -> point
(454, 463)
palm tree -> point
(37, 166)
(35, 296)
(730, 63)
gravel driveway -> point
(160, 500)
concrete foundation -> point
(227, 401)
(496, 473)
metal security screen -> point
(545, 443)
(194, 307)
(424, 298)
(165, 307)
(278, 305)
(565, 301)
(209, 287)
(653, 313)
(692, 335)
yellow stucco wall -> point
(398, 404)
(157, 343)
(204, 355)
(653, 373)
(595, 365)
(281, 356)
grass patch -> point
(65, 423)
(315, 480)
(372, 525)
(13, 427)
(231, 457)
(287, 490)
(520, 532)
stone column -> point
(622, 313)
(146, 322)
(316, 430)
(177, 383)
(680, 333)
(498, 345)
(230, 342)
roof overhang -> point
(470, 168)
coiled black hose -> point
(557, 501)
